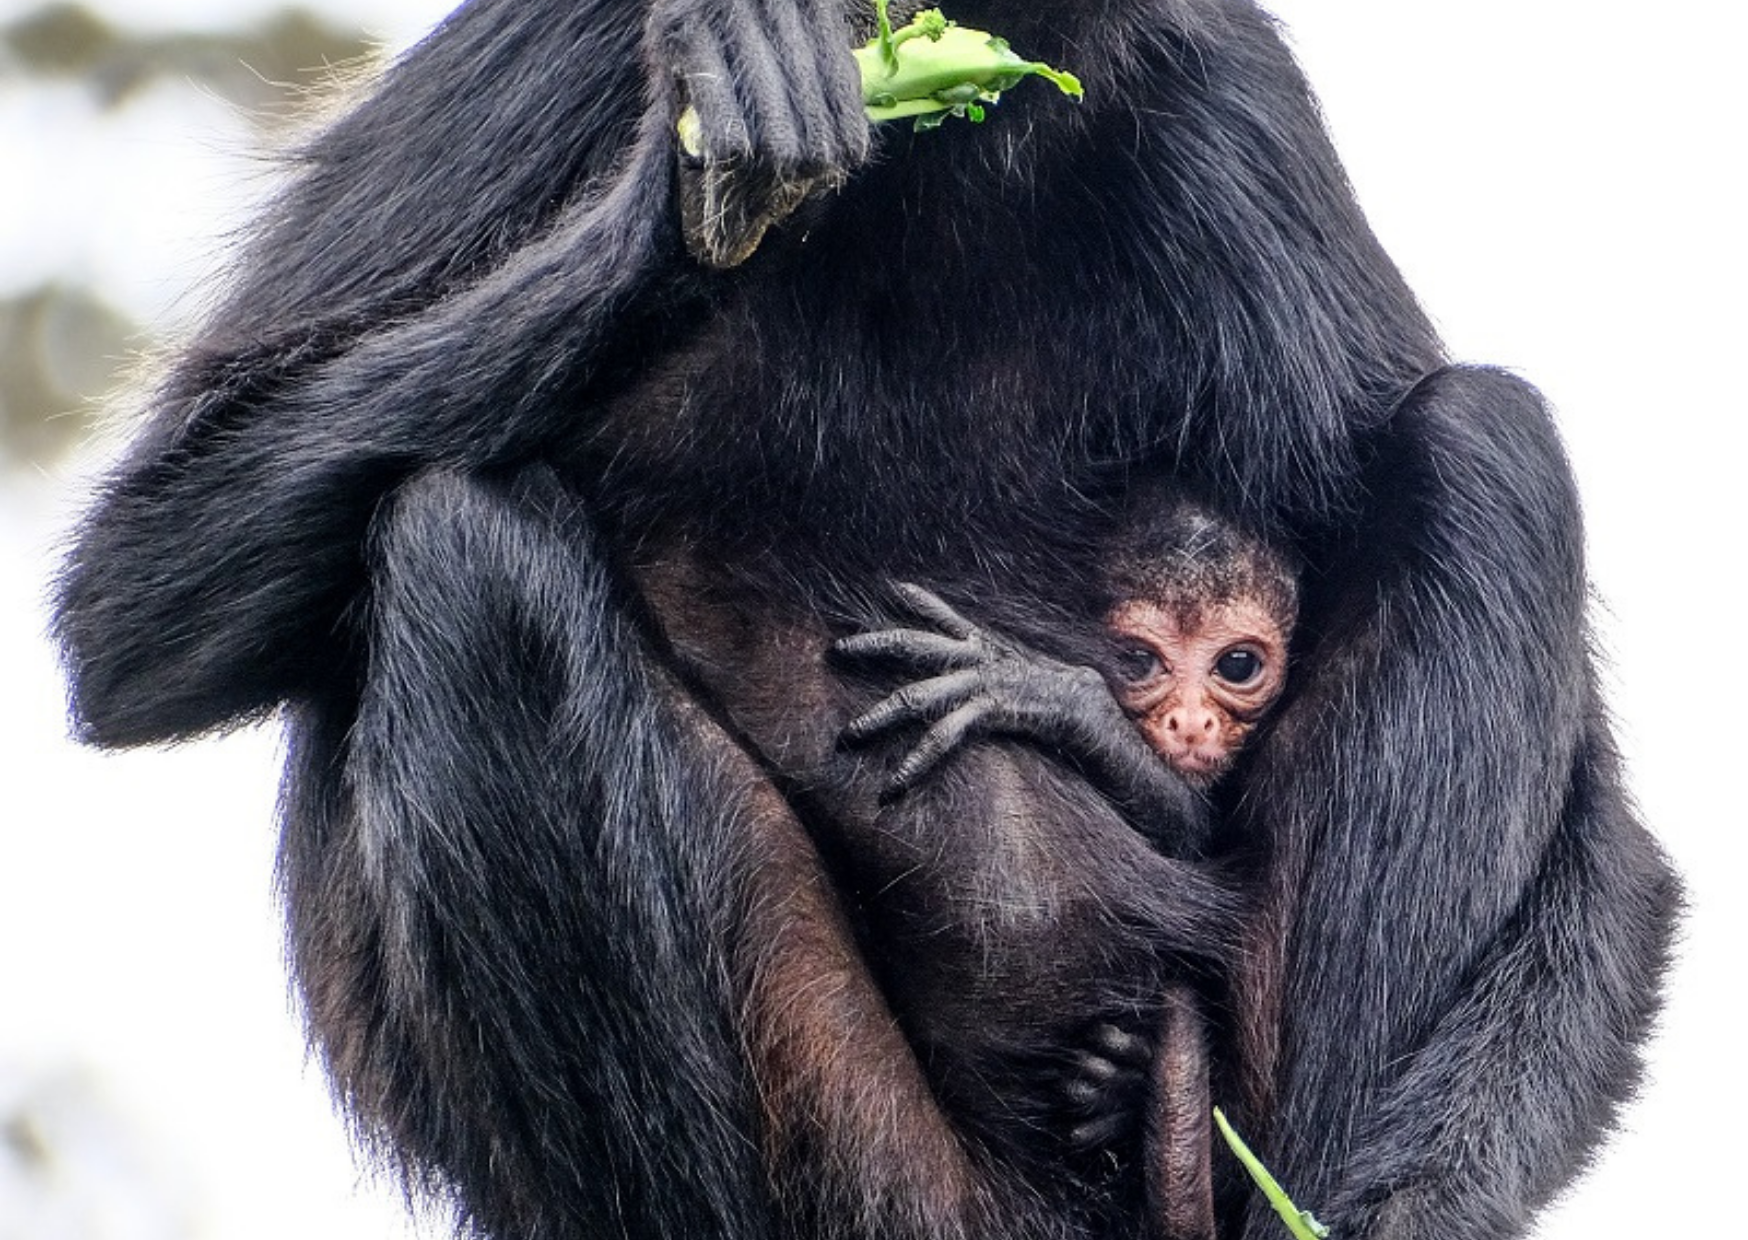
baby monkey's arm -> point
(972, 682)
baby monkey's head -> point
(1200, 614)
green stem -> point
(888, 45)
(1302, 1223)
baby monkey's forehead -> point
(1181, 618)
(1184, 556)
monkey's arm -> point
(462, 265)
(214, 576)
(976, 683)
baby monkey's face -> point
(1197, 677)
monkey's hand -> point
(975, 683)
(1104, 1087)
(773, 106)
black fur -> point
(540, 530)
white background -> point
(1562, 184)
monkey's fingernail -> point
(1082, 1094)
(1096, 1068)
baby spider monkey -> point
(1188, 656)
(1192, 655)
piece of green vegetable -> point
(1302, 1223)
(927, 71)
(943, 70)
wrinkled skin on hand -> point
(973, 683)
(779, 116)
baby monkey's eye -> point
(1137, 663)
(1239, 667)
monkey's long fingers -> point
(1096, 1082)
(947, 734)
(925, 604)
(770, 112)
(910, 648)
(915, 703)
(1088, 1091)
(1103, 1087)
(1121, 1048)
(1100, 1133)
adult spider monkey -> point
(526, 513)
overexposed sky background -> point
(1565, 192)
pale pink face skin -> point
(1197, 678)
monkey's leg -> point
(857, 1144)
(506, 864)
(1522, 1076)
(1470, 921)
(565, 949)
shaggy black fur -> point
(539, 530)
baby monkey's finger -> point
(913, 649)
(925, 604)
(948, 733)
(919, 702)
